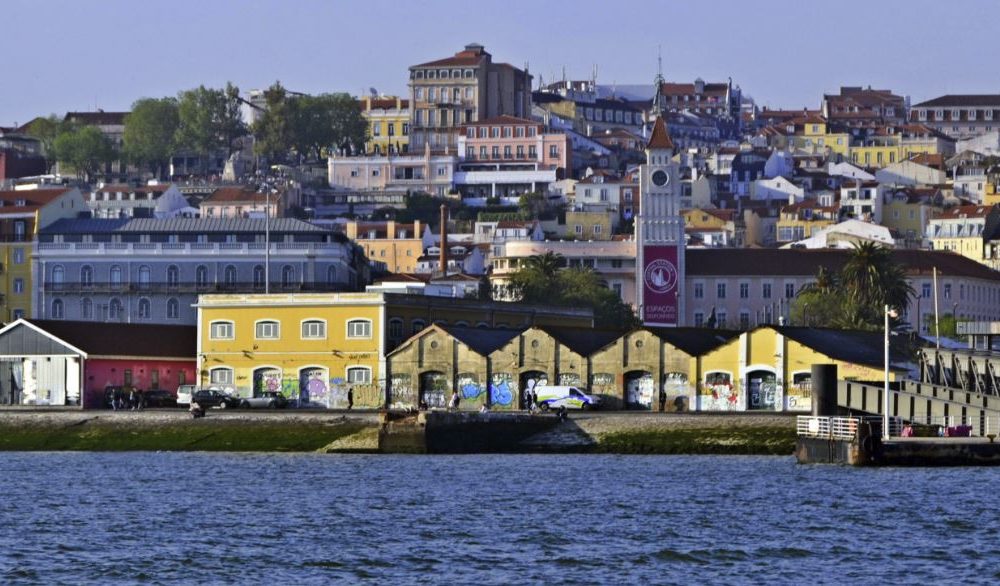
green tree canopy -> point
(84, 148)
(542, 280)
(273, 130)
(855, 297)
(308, 125)
(150, 130)
(209, 120)
(46, 130)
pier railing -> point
(844, 428)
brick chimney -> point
(443, 262)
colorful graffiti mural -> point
(718, 393)
(469, 386)
(503, 388)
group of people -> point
(121, 399)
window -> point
(221, 330)
(553, 150)
(722, 319)
(58, 276)
(699, 319)
(258, 276)
(144, 309)
(789, 290)
(173, 308)
(57, 309)
(19, 285)
(699, 290)
(947, 290)
(201, 275)
(266, 330)
(229, 275)
(87, 276)
(287, 275)
(744, 290)
(87, 308)
(359, 328)
(19, 256)
(359, 375)
(720, 290)
(744, 320)
(221, 376)
(417, 325)
(173, 275)
(395, 328)
(313, 329)
(766, 291)
(115, 309)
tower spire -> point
(658, 81)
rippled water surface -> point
(78, 518)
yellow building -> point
(388, 124)
(907, 211)
(22, 214)
(316, 346)
(808, 134)
(803, 219)
(960, 229)
(588, 225)
(892, 144)
(398, 245)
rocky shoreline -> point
(359, 431)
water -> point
(88, 518)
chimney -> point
(443, 262)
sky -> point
(68, 55)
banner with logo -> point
(660, 285)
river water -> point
(89, 518)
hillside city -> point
(490, 231)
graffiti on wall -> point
(313, 386)
(434, 389)
(403, 396)
(718, 392)
(469, 386)
(569, 379)
(266, 380)
(503, 388)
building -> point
(152, 270)
(748, 287)
(396, 244)
(803, 219)
(860, 107)
(587, 109)
(118, 200)
(111, 125)
(890, 144)
(592, 224)
(22, 214)
(237, 201)
(507, 156)
(314, 347)
(710, 227)
(720, 101)
(464, 88)
(46, 362)
(959, 116)
(962, 230)
(429, 173)
(388, 124)
(906, 213)
(861, 200)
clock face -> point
(660, 178)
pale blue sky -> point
(75, 55)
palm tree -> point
(872, 279)
(547, 264)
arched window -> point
(58, 276)
(201, 275)
(57, 309)
(359, 328)
(418, 324)
(173, 276)
(359, 375)
(331, 275)
(267, 330)
(173, 308)
(396, 328)
(230, 275)
(258, 276)
(87, 275)
(287, 275)
(116, 275)
(221, 376)
(145, 276)
(313, 329)
(221, 330)
(115, 309)
(87, 308)
(144, 309)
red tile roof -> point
(235, 194)
(660, 138)
(33, 199)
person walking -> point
(350, 398)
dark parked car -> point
(268, 400)
(213, 398)
(159, 398)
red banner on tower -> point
(660, 285)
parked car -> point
(158, 398)
(184, 393)
(268, 400)
(213, 398)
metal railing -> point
(844, 428)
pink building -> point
(507, 156)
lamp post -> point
(885, 389)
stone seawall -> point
(370, 432)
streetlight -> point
(885, 390)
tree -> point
(542, 280)
(85, 149)
(273, 131)
(150, 130)
(325, 121)
(209, 120)
(46, 130)
(948, 324)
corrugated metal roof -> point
(179, 225)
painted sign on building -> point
(660, 278)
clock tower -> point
(659, 233)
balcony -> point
(189, 288)
(189, 248)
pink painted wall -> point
(100, 372)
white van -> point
(184, 393)
(554, 397)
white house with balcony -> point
(152, 270)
